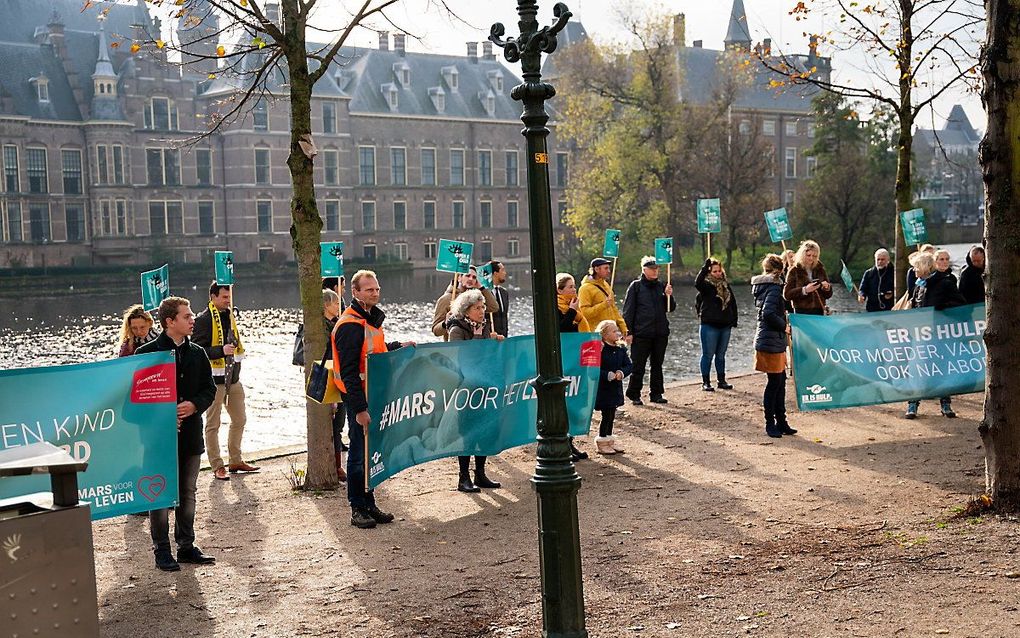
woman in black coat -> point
(615, 367)
(936, 289)
(717, 308)
(770, 343)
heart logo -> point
(151, 486)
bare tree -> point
(908, 46)
(265, 49)
(1000, 429)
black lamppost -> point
(555, 479)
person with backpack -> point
(717, 308)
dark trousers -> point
(774, 398)
(606, 426)
(465, 464)
(338, 427)
(356, 493)
(641, 350)
(184, 514)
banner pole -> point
(783, 242)
(669, 277)
(708, 238)
(612, 276)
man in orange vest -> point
(358, 333)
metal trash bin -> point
(47, 566)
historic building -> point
(949, 177)
(104, 160)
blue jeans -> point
(356, 493)
(714, 342)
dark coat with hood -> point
(194, 383)
(972, 282)
(770, 333)
(874, 284)
(645, 308)
(350, 339)
(938, 291)
(709, 305)
(610, 393)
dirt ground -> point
(705, 527)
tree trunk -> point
(1000, 163)
(904, 190)
(305, 234)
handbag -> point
(903, 303)
(320, 387)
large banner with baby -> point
(119, 416)
(842, 361)
(472, 397)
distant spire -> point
(104, 68)
(738, 35)
(958, 121)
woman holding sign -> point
(717, 309)
(770, 343)
(467, 322)
(807, 285)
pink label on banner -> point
(155, 384)
(591, 354)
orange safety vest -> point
(374, 342)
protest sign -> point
(778, 222)
(119, 416)
(663, 250)
(454, 256)
(331, 258)
(467, 398)
(887, 357)
(224, 260)
(915, 232)
(709, 216)
(611, 245)
(485, 276)
(155, 287)
(847, 278)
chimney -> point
(487, 53)
(679, 31)
(399, 40)
(384, 40)
(767, 46)
(697, 44)
(472, 51)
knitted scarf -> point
(722, 288)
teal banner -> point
(119, 416)
(224, 260)
(472, 397)
(454, 256)
(778, 222)
(331, 258)
(155, 287)
(663, 250)
(915, 232)
(611, 245)
(841, 361)
(709, 216)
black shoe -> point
(722, 385)
(576, 454)
(659, 400)
(773, 432)
(465, 485)
(361, 518)
(165, 561)
(481, 480)
(636, 400)
(378, 515)
(194, 556)
(947, 409)
(707, 387)
(785, 428)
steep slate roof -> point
(571, 34)
(24, 61)
(958, 121)
(21, 17)
(957, 132)
(701, 67)
(737, 32)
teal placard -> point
(467, 397)
(709, 216)
(485, 276)
(847, 278)
(224, 260)
(454, 256)
(915, 231)
(611, 245)
(663, 250)
(155, 287)
(842, 361)
(331, 258)
(778, 222)
(119, 416)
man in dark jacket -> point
(363, 317)
(501, 317)
(644, 309)
(972, 282)
(876, 289)
(195, 393)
